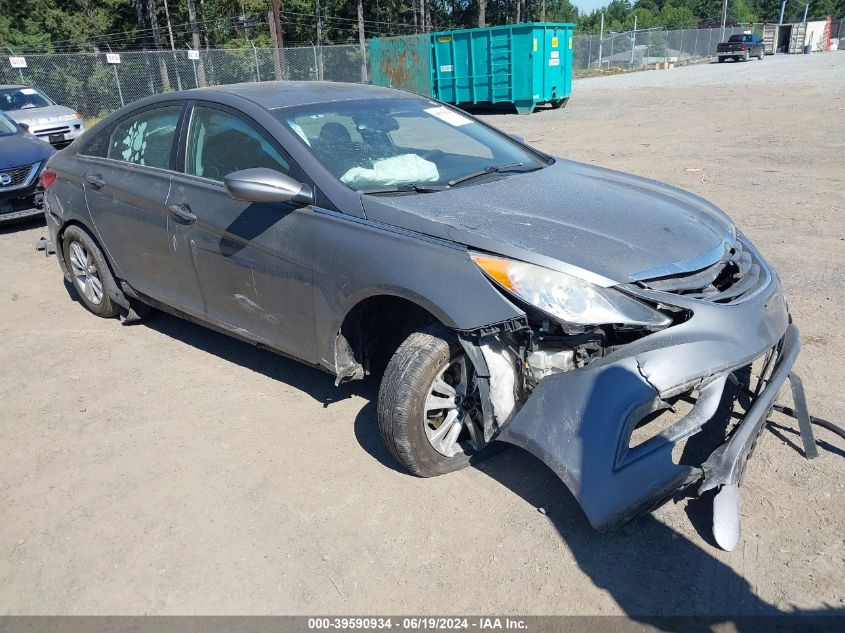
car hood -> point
(39, 115)
(22, 149)
(604, 226)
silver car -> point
(42, 116)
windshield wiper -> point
(492, 169)
(408, 188)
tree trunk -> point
(362, 42)
(518, 11)
(142, 25)
(427, 16)
(162, 65)
(172, 45)
(277, 35)
(195, 41)
(482, 12)
(543, 11)
(414, 11)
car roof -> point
(6, 86)
(282, 94)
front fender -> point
(360, 259)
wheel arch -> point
(374, 327)
(113, 287)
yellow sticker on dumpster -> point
(444, 38)
(535, 44)
(570, 42)
(554, 42)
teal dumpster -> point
(516, 65)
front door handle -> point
(182, 213)
(95, 180)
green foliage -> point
(34, 26)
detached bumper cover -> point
(580, 422)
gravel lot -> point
(162, 468)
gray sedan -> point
(622, 330)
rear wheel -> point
(745, 56)
(91, 275)
(429, 410)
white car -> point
(43, 117)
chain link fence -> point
(646, 48)
(94, 87)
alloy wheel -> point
(85, 274)
(453, 410)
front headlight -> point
(566, 297)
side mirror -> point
(266, 185)
(25, 126)
(518, 138)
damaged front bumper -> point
(580, 422)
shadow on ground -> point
(649, 569)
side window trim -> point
(295, 170)
(110, 128)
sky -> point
(588, 5)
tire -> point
(761, 55)
(405, 424)
(92, 278)
(745, 57)
(721, 60)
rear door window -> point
(146, 138)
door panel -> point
(246, 267)
(126, 195)
(243, 266)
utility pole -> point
(782, 9)
(195, 39)
(806, 8)
(361, 42)
(601, 37)
(724, 18)
(482, 13)
(543, 11)
(319, 39)
(633, 39)
(278, 38)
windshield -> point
(740, 38)
(6, 126)
(22, 99)
(376, 144)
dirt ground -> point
(164, 469)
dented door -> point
(243, 266)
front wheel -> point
(429, 412)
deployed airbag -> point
(392, 171)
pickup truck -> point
(740, 47)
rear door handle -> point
(96, 180)
(182, 213)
